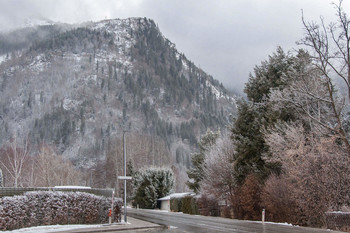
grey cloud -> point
(226, 38)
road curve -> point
(195, 223)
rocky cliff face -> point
(79, 86)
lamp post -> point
(124, 177)
(91, 170)
(124, 152)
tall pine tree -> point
(256, 114)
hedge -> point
(176, 204)
(51, 208)
(189, 205)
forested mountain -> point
(77, 87)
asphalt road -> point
(178, 222)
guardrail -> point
(7, 191)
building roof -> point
(175, 195)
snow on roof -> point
(175, 195)
(72, 187)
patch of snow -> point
(281, 223)
(214, 90)
(219, 94)
(184, 64)
(275, 223)
(120, 29)
(338, 212)
(51, 228)
(3, 58)
(38, 63)
(69, 104)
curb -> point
(135, 224)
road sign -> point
(124, 177)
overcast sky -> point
(226, 38)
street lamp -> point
(124, 152)
(91, 170)
(124, 177)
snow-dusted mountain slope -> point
(79, 86)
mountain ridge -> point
(78, 86)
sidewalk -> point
(133, 224)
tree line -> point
(287, 151)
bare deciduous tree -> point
(13, 159)
(330, 46)
(314, 98)
(53, 170)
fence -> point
(6, 191)
(338, 221)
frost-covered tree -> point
(196, 173)
(219, 179)
(268, 75)
(316, 102)
(314, 174)
(151, 184)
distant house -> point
(165, 201)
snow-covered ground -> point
(57, 228)
(51, 228)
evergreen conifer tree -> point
(196, 173)
(256, 114)
(151, 184)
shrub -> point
(189, 205)
(176, 204)
(247, 199)
(208, 206)
(194, 206)
(51, 208)
(186, 205)
(278, 201)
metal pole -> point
(112, 207)
(263, 216)
(124, 151)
